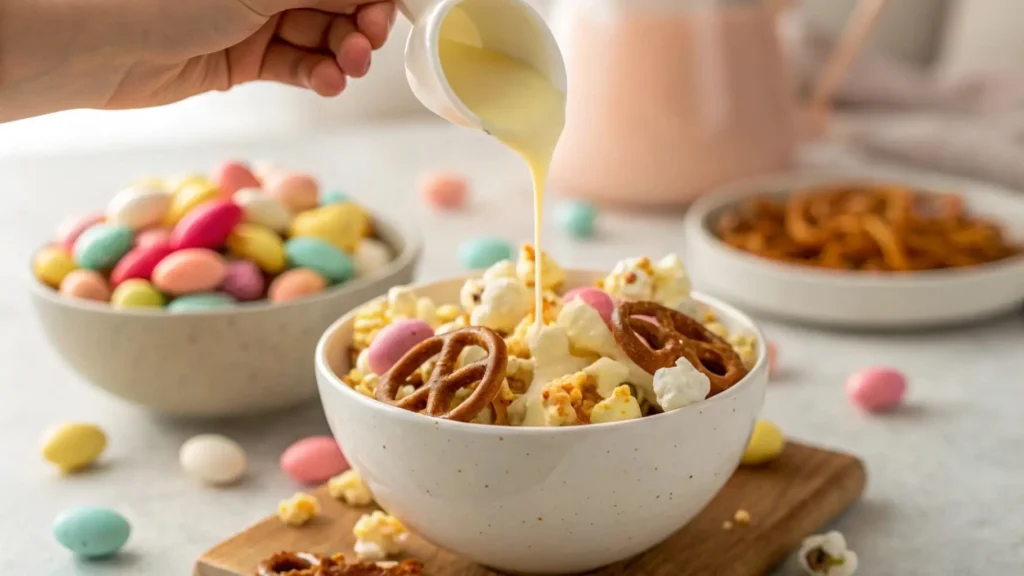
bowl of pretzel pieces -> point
(874, 249)
(561, 493)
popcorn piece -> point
(369, 320)
(471, 354)
(570, 399)
(519, 374)
(349, 487)
(631, 279)
(448, 313)
(608, 374)
(680, 385)
(298, 510)
(367, 385)
(460, 322)
(826, 555)
(672, 286)
(470, 294)
(426, 310)
(517, 346)
(503, 304)
(746, 346)
(549, 348)
(552, 275)
(742, 517)
(503, 269)
(363, 362)
(404, 391)
(401, 302)
(378, 536)
(619, 407)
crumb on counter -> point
(742, 517)
(350, 488)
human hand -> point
(119, 54)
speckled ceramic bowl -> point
(541, 500)
(248, 359)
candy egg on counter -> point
(52, 264)
(333, 197)
(371, 256)
(136, 293)
(139, 263)
(393, 341)
(190, 194)
(294, 284)
(206, 226)
(773, 358)
(213, 459)
(297, 192)
(85, 285)
(333, 264)
(577, 218)
(243, 280)
(189, 271)
(313, 460)
(446, 190)
(595, 298)
(343, 225)
(766, 444)
(101, 246)
(877, 389)
(231, 176)
(480, 253)
(73, 446)
(72, 227)
(92, 531)
(149, 236)
(138, 206)
(263, 210)
(200, 302)
(258, 244)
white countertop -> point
(945, 491)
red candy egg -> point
(231, 176)
(313, 460)
(150, 236)
(206, 226)
(139, 262)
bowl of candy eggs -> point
(552, 447)
(205, 296)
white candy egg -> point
(213, 459)
(262, 209)
(371, 256)
(138, 206)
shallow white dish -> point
(541, 500)
(851, 299)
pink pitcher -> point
(669, 99)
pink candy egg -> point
(594, 297)
(394, 341)
(773, 358)
(189, 271)
(139, 262)
(295, 284)
(876, 389)
(243, 280)
(206, 226)
(85, 285)
(232, 176)
(313, 460)
(447, 190)
(158, 235)
(72, 227)
(297, 192)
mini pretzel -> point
(673, 335)
(436, 395)
(290, 564)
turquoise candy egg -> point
(321, 256)
(200, 302)
(577, 218)
(92, 531)
(334, 197)
(102, 245)
(480, 253)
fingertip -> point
(354, 55)
(327, 79)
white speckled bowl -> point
(248, 359)
(541, 500)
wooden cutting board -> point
(788, 499)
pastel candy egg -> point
(343, 225)
(194, 192)
(73, 446)
(577, 218)
(206, 226)
(92, 531)
(313, 460)
(371, 256)
(200, 303)
(243, 280)
(139, 263)
(394, 341)
(232, 176)
(153, 236)
(263, 210)
(212, 459)
(189, 271)
(333, 197)
(73, 226)
(138, 206)
(595, 298)
(480, 253)
(258, 244)
(766, 444)
(773, 358)
(52, 264)
(136, 293)
(266, 170)
(85, 285)
(333, 264)
(297, 192)
(877, 389)
(101, 246)
(295, 284)
(446, 190)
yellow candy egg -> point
(74, 446)
(766, 444)
(52, 264)
(258, 244)
(190, 194)
(136, 293)
(343, 225)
